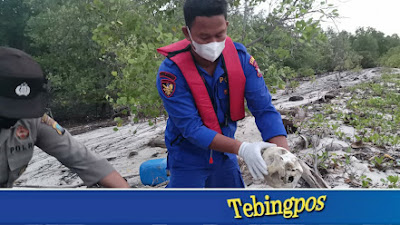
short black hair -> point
(194, 8)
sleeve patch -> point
(168, 87)
(50, 122)
(255, 65)
(167, 75)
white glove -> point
(251, 153)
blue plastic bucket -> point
(153, 172)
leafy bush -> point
(391, 58)
(306, 72)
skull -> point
(284, 169)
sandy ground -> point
(128, 147)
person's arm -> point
(114, 180)
(250, 152)
(225, 144)
(259, 102)
(280, 141)
(90, 167)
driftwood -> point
(299, 142)
(89, 127)
(157, 142)
(311, 178)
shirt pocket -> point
(222, 88)
(223, 100)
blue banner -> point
(200, 207)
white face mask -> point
(210, 51)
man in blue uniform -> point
(203, 86)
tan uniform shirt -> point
(17, 144)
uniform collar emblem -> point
(22, 133)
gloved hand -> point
(251, 153)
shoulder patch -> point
(50, 122)
(22, 132)
(252, 61)
(168, 85)
(167, 75)
(255, 65)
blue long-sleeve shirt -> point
(186, 137)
